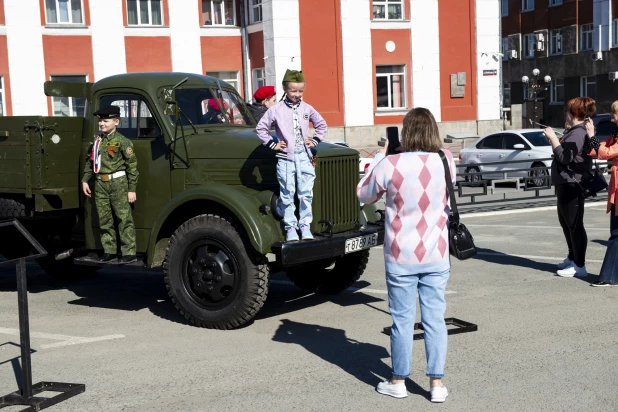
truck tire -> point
(10, 208)
(329, 277)
(213, 275)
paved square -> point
(544, 342)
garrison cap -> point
(109, 112)
(294, 76)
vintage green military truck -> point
(206, 197)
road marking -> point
(65, 340)
(353, 290)
(527, 210)
(557, 227)
(558, 259)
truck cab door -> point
(140, 124)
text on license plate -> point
(361, 242)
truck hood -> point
(241, 143)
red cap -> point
(264, 92)
(214, 104)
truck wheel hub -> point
(211, 273)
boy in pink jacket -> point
(295, 169)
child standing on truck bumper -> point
(113, 163)
(295, 168)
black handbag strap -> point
(449, 186)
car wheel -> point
(539, 173)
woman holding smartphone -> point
(571, 163)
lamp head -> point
(525, 79)
(547, 79)
(536, 72)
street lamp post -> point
(535, 86)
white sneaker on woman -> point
(573, 270)
(396, 390)
(565, 263)
(438, 394)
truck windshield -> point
(202, 108)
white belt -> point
(111, 175)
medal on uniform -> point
(95, 156)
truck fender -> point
(263, 230)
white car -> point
(528, 145)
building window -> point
(555, 2)
(219, 12)
(506, 95)
(615, 33)
(391, 87)
(505, 48)
(259, 78)
(229, 77)
(2, 105)
(589, 86)
(69, 106)
(525, 91)
(585, 38)
(555, 42)
(527, 5)
(64, 11)
(529, 43)
(388, 9)
(145, 12)
(505, 7)
(255, 11)
(556, 91)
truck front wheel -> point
(214, 277)
(329, 276)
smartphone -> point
(392, 136)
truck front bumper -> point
(322, 247)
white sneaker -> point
(573, 270)
(565, 263)
(397, 390)
(438, 394)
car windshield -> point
(536, 138)
(202, 108)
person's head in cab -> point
(265, 95)
(109, 118)
(420, 132)
(294, 86)
(579, 109)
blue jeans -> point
(294, 176)
(609, 270)
(402, 304)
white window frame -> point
(505, 87)
(227, 80)
(505, 48)
(212, 13)
(555, 2)
(557, 36)
(139, 14)
(386, 4)
(82, 23)
(553, 92)
(505, 7)
(258, 75)
(586, 30)
(390, 92)
(2, 97)
(584, 83)
(253, 6)
(529, 46)
(529, 3)
(58, 77)
(615, 33)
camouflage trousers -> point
(113, 196)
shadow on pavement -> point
(361, 360)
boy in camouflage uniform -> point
(113, 163)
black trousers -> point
(571, 217)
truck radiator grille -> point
(334, 194)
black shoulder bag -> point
(461, 242)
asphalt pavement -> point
(543, 342)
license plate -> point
(361, 242)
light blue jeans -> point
(402, 304)
(296, 175)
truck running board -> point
(94, 261)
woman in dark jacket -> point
(264, 97)
(571, 163)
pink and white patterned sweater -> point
(417, 209)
